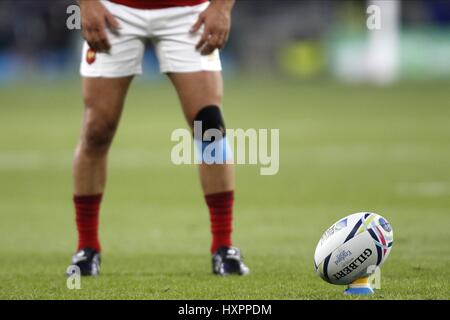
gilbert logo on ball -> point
(91, 56)
(352, 247)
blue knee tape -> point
(214, 152)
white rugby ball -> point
(352, 247)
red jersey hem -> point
(158, 4)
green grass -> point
(343, 150)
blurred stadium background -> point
(303, 39)
(364, 123)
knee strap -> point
(210, 136)
(210, 118)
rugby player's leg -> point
(111, 55)
(196, 91)
(201, 92)
(103, 100)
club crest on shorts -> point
(91, 55)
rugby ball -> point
(352, 247)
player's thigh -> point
(197, 90)
(104, 99)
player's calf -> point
(217, 181)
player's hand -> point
(95, 18)
(216, 20)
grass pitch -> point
(343, 150)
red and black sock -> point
(221, 216)
(87, 210)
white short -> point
(169, 31)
